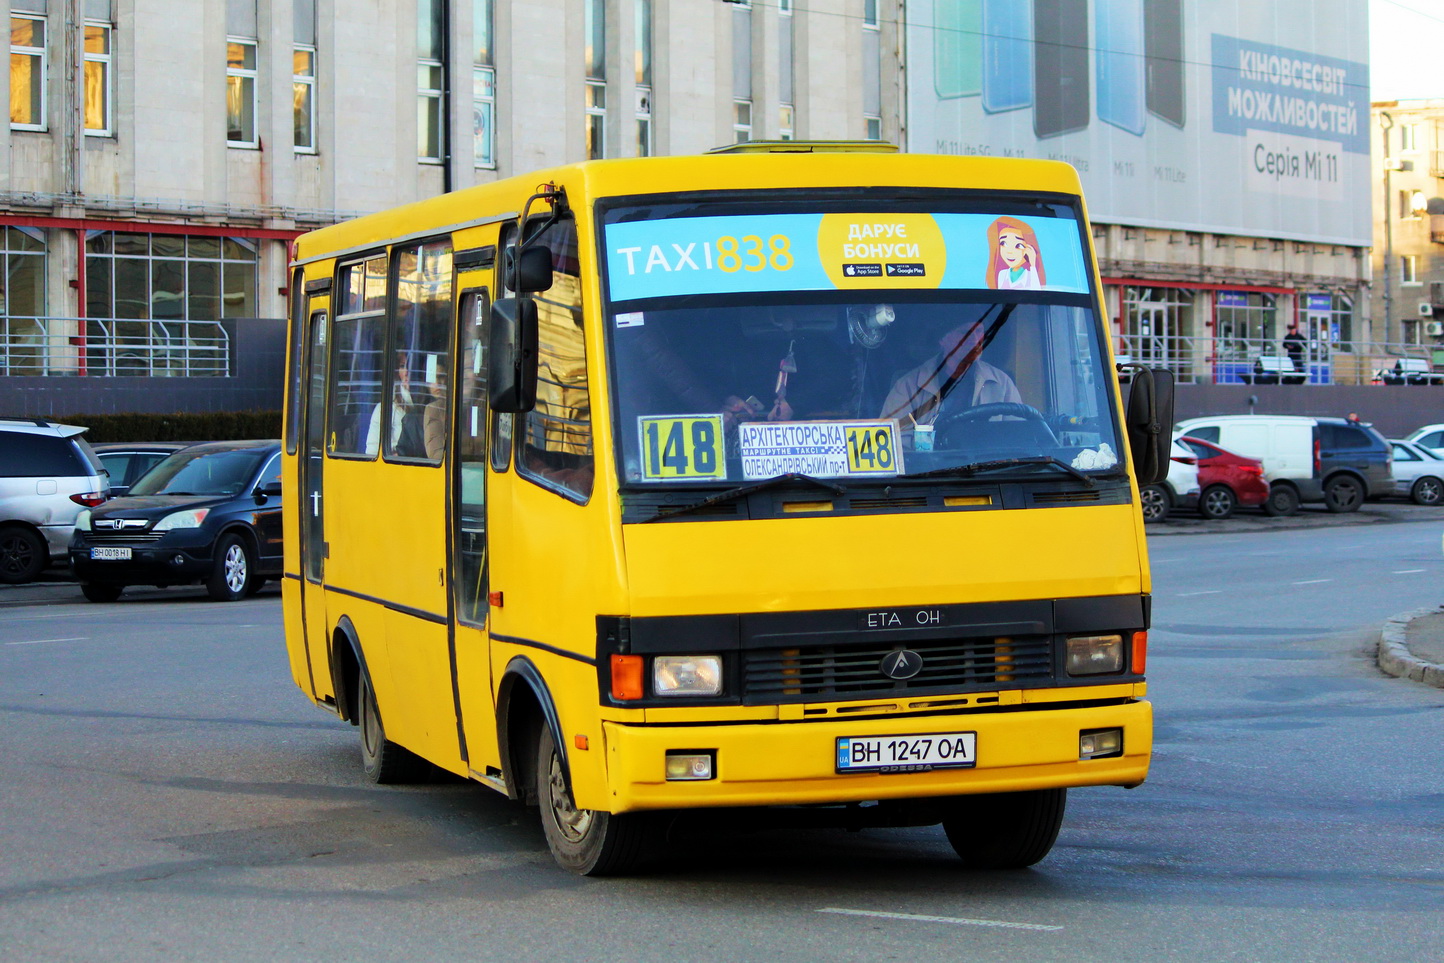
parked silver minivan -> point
(48, 473)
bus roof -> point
(772, 168)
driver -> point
(955, 376)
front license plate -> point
(936, 750)
(110, 553)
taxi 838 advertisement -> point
(817, 252)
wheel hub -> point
(573, 823)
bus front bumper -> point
(793, 763)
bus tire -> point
(383, 761)
(1008, 830)
(230, 578)
(586, 841)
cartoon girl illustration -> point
(1014, 262)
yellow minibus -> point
(795, 474)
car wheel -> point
(1156, 502)
(586, 841)
(1343, 493)
(1217, 501)
(230, 578)
(1282, 501)
(383, 761)
(1006, 830)
(23, 555)
(1427, 491)
(101, 591)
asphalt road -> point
(166, 793)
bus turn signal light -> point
(627, 677)
(1140, 652)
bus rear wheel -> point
(1007, 830)
(585, 841)
(384, 762)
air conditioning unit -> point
(1434, 329)
(1426, 309)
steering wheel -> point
(1007, 409)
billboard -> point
(1222, 116)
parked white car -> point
(1418, 472)
(1178, 490)
(1430, 436)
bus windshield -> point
(955, 378)
(743, 393)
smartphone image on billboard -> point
(1007, 55)
(1163, 50)
(1060, 66)
(1119, 70)
(957, 48)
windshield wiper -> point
(977, 467)
(735, 493)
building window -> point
(786, 117)
(98, 79)
(483, 84)
(741, 121)
(1409, 269)
(23, 334)
(644, 77)
(786, 122)
(871, 73)
(596, 63)
(303, 76)
(1408, 136)
(430, 71)
(241, 92)
(869, 14)
(154, 303)
(28, 68)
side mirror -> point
(512, 354)
(271, 489)
(529, 272)
(1149, 423)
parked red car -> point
(1225, 479)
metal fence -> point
(114, 347)
(1209, 360)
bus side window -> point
(555, 444)
(356, 345)
(414, 422)
(472, 430)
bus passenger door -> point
(469, 563)
(310, 511)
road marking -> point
(1409, 571)
(1189, 595)
(79, 638)
(1313, 581)
(954, 920)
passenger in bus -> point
(433, 419)
(406, 431)
(956, 378)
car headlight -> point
(190, 518)
(1095, 654)
(82, 520)
(687, 675)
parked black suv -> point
(209, 513)
(1355, 462)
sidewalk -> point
(1411, 646)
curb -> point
(1394, 656)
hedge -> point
(179, 426)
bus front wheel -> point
(585, 841)
(1009, 830)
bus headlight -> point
(1095, 654)
(687, 675)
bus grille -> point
(850, 671)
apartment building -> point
(1408, 256)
